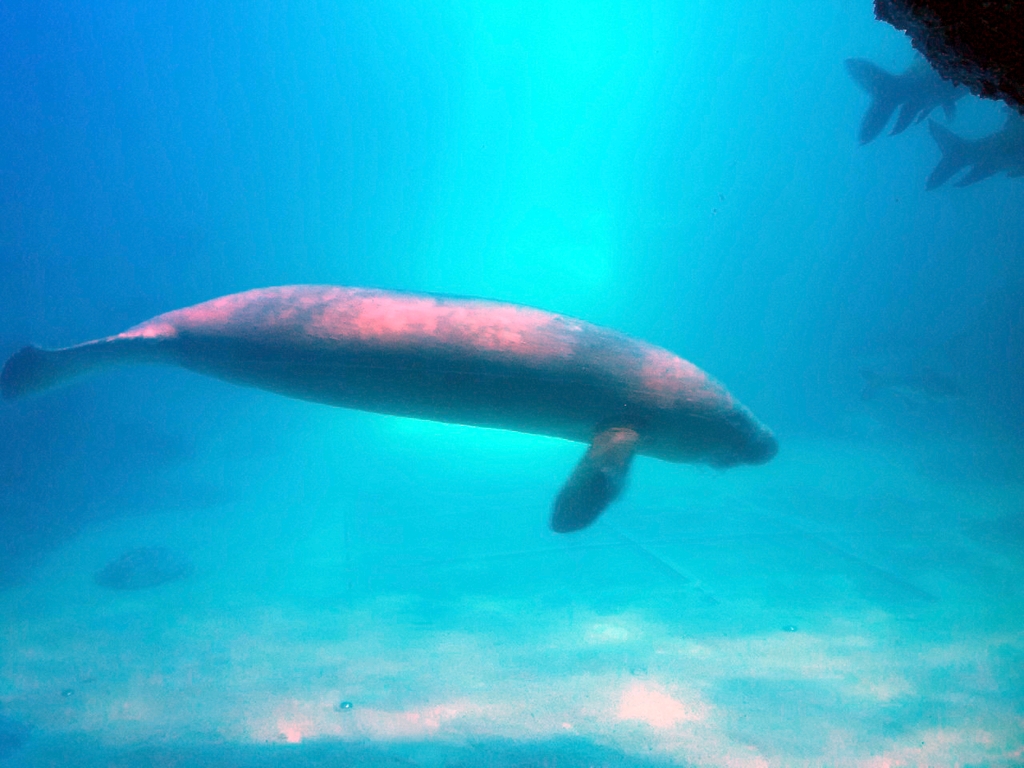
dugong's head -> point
(722, 435)
(695, 419)
(739, 438)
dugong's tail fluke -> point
(33, 370)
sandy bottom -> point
(847, 605)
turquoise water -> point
(687, 173)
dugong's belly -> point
(552, 396)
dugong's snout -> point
(762, 448)
(745, 441)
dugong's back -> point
(456, 360)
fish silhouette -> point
(1000, 152)
(915, 93)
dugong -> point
(456, 360)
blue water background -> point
(686, 172)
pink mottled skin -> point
(456, 360)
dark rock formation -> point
(979, 43)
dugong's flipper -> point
(597, 480)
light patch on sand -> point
(783, 655)
(938, 747)
(884, 689)
(417, 723)
(294, 731)
(605, 634)
(657, 709)
(296, 720)
(593, 630)
(131, 709)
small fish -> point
(1002, 151)
(928, 385)
(143, 568)
(915, 92)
